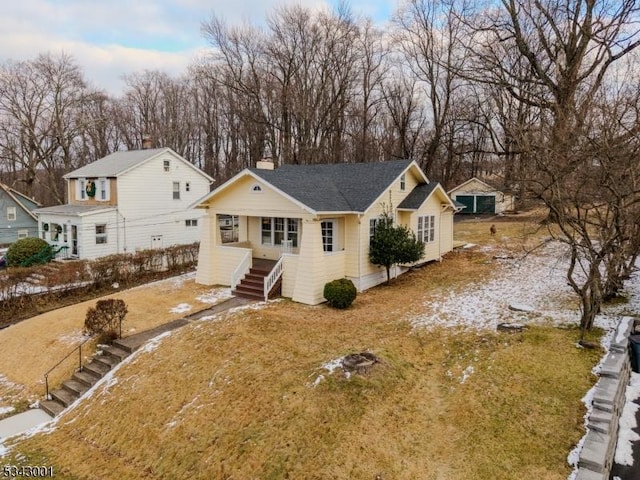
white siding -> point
(147, 208)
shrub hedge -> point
(340, 293)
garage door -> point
(485, 204)
(467, 201)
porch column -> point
(309, 282)
(209, 240)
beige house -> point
(477, 197)
(301, 226)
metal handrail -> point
(241, 270)
(272, 278)
(46, 375)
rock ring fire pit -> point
(359, 362)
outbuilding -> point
(479, 197)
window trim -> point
(101, 235)
(333, 237)
(176, 190)
(105, 193)
(166, 165)
(426, 232)
(82, 189)
(403, 182)
(12, 214)
(257, 188)
(23, 233)
(287, 232)
(191, 222)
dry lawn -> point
(33, 346)
(235, 398)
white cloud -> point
(110, 39)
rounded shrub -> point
(23, 249)
(340, 293)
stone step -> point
(106, 360)
(63, 396)
(117, 353)
(52, 407)
(121, 344)
(75, 387)
(85, 377)
(98, 369)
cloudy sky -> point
(109, 38)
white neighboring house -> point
(127, 201)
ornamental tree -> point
(393, 244)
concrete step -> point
(107, 360)
(63, 396)
(121, 344)
(98, 369)
(52, 407)
(75, 387)
(85, 377)
(116, 352)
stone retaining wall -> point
(598, 450)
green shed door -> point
(486, 204)
(467, 201)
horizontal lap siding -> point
(225, 260)
(146, 203)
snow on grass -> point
(215, 296)
(5, 410)
(626, 435)
(73, 338)
(181, 308)
(538, 281)
(330, 366)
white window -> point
(11, 214)
(167, 165)
(101, 233)
(23, 234)
(275, 231)
(328, 235)
(256, 189)
(191, 222)
(176, 190)
(103, 189)
(427, 228)
(373, 224)
(82, 189)
(64, 233)
(187, 186)
(403, 182)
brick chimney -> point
(146, 141)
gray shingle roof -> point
(417, 196)
(337, 187)
(114, 164)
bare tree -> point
(568, 48)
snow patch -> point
(467, 373)
(4, 410)
(215, 296)
(181, 308)
(626, 435)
